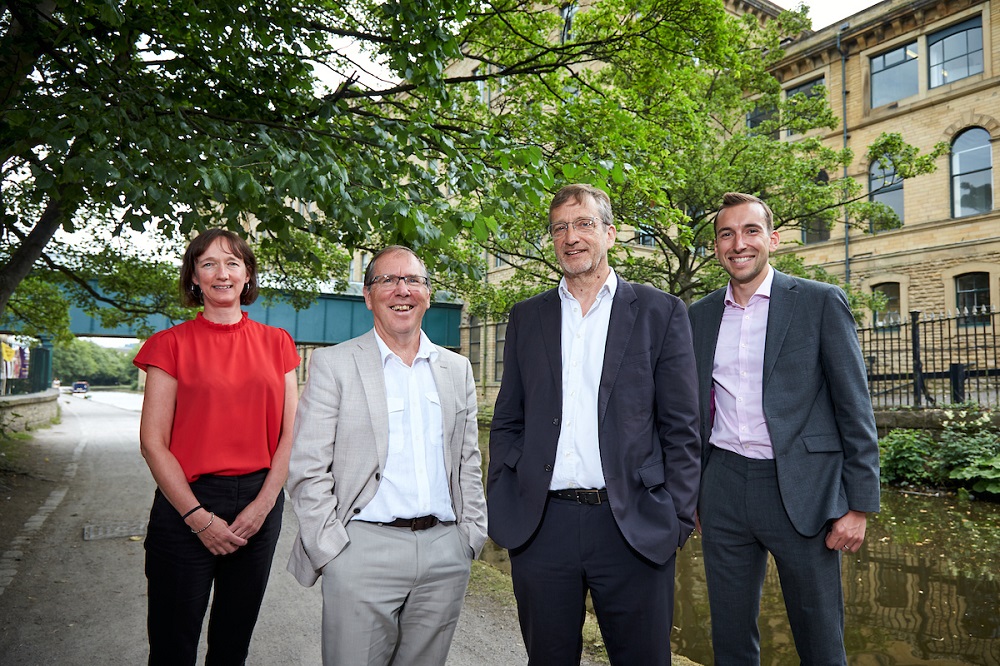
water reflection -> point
(924, 589)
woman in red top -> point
(216, 433)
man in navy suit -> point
(594, 449)
(790, 461)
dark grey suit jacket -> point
(816, 401)
(648, 420)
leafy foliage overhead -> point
(166, 118)
(661, 123)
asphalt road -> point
(72, 589)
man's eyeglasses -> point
(582, 225)
(390, 281)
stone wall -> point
(23, 412)
(919, 419)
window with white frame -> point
(955, 52)
(971, 173)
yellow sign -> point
(8, 352)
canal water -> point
(924, 589)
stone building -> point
(927, 69)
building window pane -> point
(894, 75)
(971, 173)
(885, 186)
(475, 346)
(644, 236)
(810, 89)
(972, 294)
(956, 52)
(890, 316)
(499, 347)
(816, 230)
(567, 12)
(761, 114)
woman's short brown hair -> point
(190, 293)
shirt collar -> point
(609, 287)
(427, 350)
(763, 291)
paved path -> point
(67, 600)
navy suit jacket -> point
(816, 402)
(648, 420)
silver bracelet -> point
(211, 520)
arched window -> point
(567, 12)
(890, 316)
(971, 173)
(885, 186)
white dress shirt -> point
(414, 482)
(584, 338)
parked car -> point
(81, 387)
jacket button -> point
(357, 511)
(548, 468)
(378, 476)
(555, 422)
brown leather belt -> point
(581, 495)
(416, 524)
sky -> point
(827, 12)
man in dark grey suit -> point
(594, 449)
(790, 455)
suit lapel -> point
(623, 314)
(708, 339)
(369, 364)
(780, 312)
(448, 397)
(550, 320)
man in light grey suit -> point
(790, 454)
(386, 481)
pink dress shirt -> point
(738, 376)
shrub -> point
(905, 457)
(985, 472)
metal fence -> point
(933, 360)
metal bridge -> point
(331, 319)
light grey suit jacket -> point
(341, 441)
(816, 401)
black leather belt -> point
(581, 495)
(416, 524)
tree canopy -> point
(662, 126)
(166, 118)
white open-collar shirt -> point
(584, 338)
(414, 482)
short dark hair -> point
(370, 271)
(732, 199)
(577, 192)
(192, 297)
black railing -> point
(933, 360)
